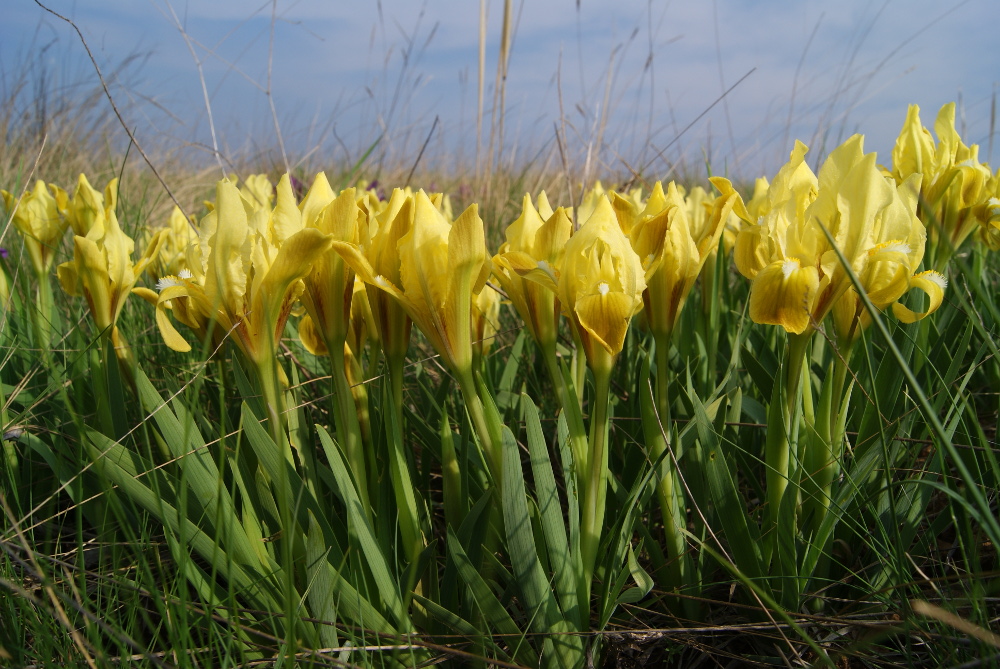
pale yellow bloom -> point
(534, 243)
(600, 285)
(798, 277)
(955, 185)
(87, 206)
(36, 216)
(179, 244)
(675, 244)
(329, 286)
(102, 271)
(253, 263)
(258, 191)
(485, 320)
(442, 267)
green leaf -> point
(119, 465)
(328, 588)
(402, 484)
(505, 389)
(496, 615)
(550, 513)
(358, 524)
(528, 573)
(461, 626)
(644, 582)
(322, 585)
(743, 536)
(200, 472)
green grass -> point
(100, 564)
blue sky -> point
(344, 73)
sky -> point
(637, 87)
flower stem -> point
(570, 406)
(679, 572)
(43, 314)
(266, 367)
(782, 438)
(489, 438)
(594, 485)
(346, 422)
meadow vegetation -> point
(329, 418)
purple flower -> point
(4, 253)
(379, 192)
(298, 187)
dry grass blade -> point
(114, 107)
(925, 608)
(204, 87)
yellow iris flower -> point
(253, 263)
(990, 232)
(102, 271)
(534, 243)
(37, 217)
(329, 286)
(600, 285)
(955, 184)
(797, 275)
(258, 191)
(675, 239)
(442, 267)
(87, 206)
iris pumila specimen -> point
(798, 276)
(956, 188)
(599, 285)
(535, 244)
(674, 244)
(37, 217)
(328, 294)
(253, 261)
(102, 271)
(442, 268)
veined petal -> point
(150, 296)
(523, 265)
(319, 195)
(552, 237)
(68, 278)
(258, 190)
(626, 211)
(353, 256)
(846, 316)
(118, 248)
(467, 249)
(226, 275)
(783, 294)
(92, 269)
(914, 150)
(605, 316)
(753, 249)
(286, 219)
(294, 261)
(521, 233)
(86, 207)
(424, 268)
(310, 337)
